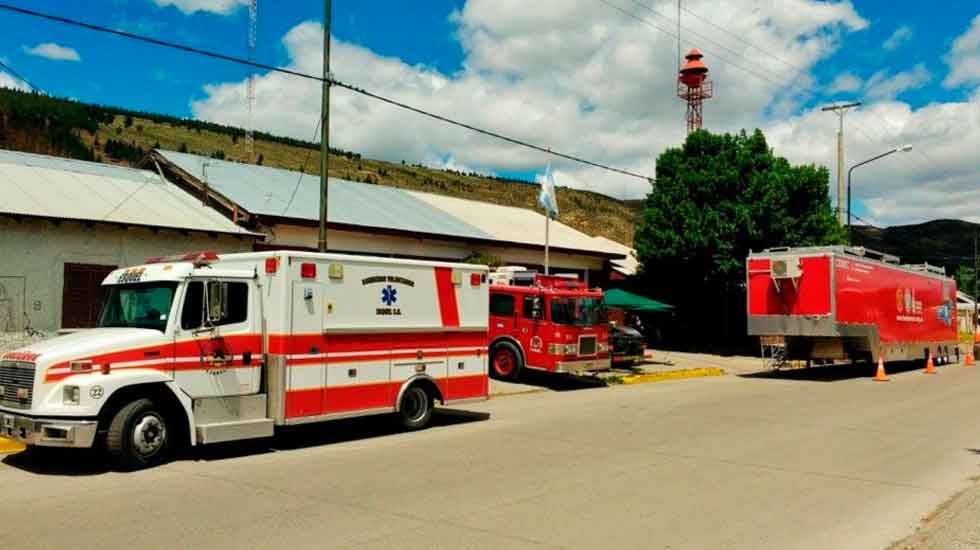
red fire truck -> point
(549, 323)
(851, 303)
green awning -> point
(632, 302)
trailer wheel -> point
(505, 362)
(138, 436)
(415, 408)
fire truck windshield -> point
(576, 311)
(139, 305)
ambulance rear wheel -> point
(415, 408)
(505, 362)
(138, 436)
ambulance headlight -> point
(72, 395)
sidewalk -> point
(953, 526)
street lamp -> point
(902, 149)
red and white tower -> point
(694, 87)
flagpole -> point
(547, 223)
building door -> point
(82, 294)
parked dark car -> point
(627, 345)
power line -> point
(767, 52)
(705, 50)
(332, 81)
(17, 75)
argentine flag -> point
(547, 197)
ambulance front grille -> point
(16, 384)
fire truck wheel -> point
(415, 408)
(505, 362)
(138, 436)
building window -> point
(82, 294)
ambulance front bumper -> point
(582, 365)
(48, 432)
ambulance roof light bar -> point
(202, 257)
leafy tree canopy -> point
(716, 198)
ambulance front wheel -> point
(415, 408)
(505, 362)
(138, 436)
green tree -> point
(716, 198)
(966, 278)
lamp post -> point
(902, 149)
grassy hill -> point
(946, 243)
(42, 124)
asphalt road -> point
(809, 460)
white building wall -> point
(33, 254)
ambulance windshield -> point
(139, 305)
(576, 311)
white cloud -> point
(8, 81)
(901, 35)
(220, 7)
(574, 75)
(845, 82)
(56, 52)
(881, 85)
(964, 58)
(937, 179)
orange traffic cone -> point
(930, 367)
(880, 376)
(968, 362)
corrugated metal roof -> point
(39, 185)
(628, 265)
(513, 224)
(266, 191)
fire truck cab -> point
(548, 323)
(204, 348)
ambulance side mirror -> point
(217, 301)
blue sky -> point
(116, 71)
(527, 63)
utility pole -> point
(325, 129)
(840, 109)
(976, 285)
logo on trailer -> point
(909, 307)
(945, 313)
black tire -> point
(129, 451)
(502, 354)
(415, 407)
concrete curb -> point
(672, 375)
(8, 446)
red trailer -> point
(851, 303)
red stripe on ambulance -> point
(446, 292)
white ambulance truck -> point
(203, 348)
